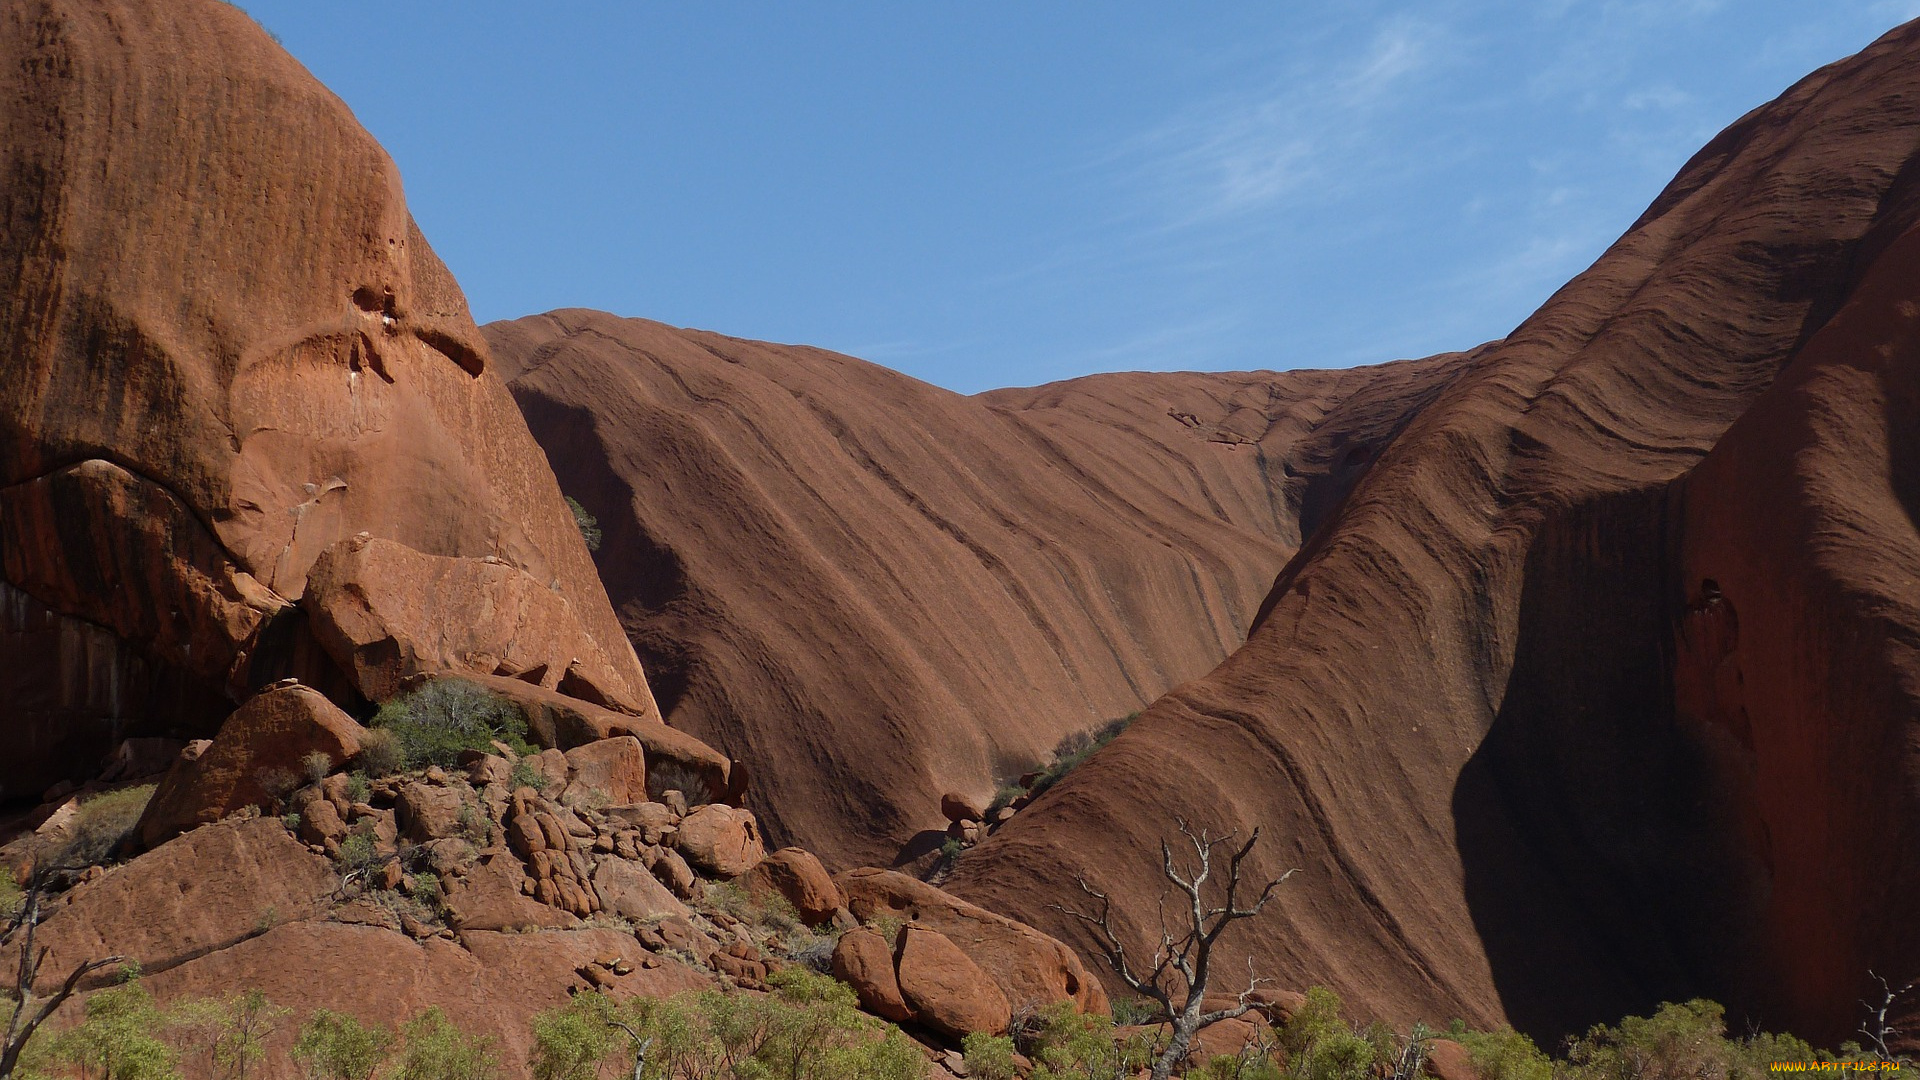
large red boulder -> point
(260, 754)
(798, 876)
(191, 415)
(721, 840)
(947, 991)
(608, 772)
(864, 961)
(203, 891)
(1030, 968)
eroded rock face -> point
(963, 581)
(210, 889)
(798, 876)
(259, 755)
(190, 416)
(721, 840)
(1030, 968)
(947, 991)
(1599, 688)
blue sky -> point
(1006, 193)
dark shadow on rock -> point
(1601, 869)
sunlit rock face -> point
(224, 350)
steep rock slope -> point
(873, 591)
(1599, 689)
(225, 352)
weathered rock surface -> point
(947, 991)
(721, 840)
(609, 771)
(189, 417)
(378, 975)
(259, 755)
(1030, 968)
(1599, 688)
(565, 722)
(388, 613)
(798, 876)
(631, 891)
(863, 959)
(207, 890)
(963, 581)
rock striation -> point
(227, 356)
(1598, 689)
(874, 592)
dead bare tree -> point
(1876, 1028)
(1181, 968)
(28, 1014)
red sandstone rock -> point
(386, 613)
(380, 976)
(864, 961)
(1030, 968)
(1448, 1060)
(720, 840)
(191, 415)
(610, 770)
(798, 876)
(630, 890)
(1631, 595)
(957, 808)
(206, 890)
(946, 991)
(259, 755)
(1106, 539)
(562, 722)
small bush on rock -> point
(105, 822)
(380, 753)
(117, 1039)
(666, 775)
(434, 722)
(335, 1046)
(434, 1049)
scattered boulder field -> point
(1573, 673)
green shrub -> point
(809, 1028)
(588, 525)
(335, 1046)
(117, 1039)
(525, 775)
(1065, 1042)
(1070, 752)
(433, 1049)
(989, 1057)
(225, 1037)
(381, 754)
(570, 1042)
(105, 823)
(316, 765)
(1504, 1055)
(434, 722)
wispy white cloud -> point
(1243, 152)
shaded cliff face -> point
(1599, 689)
(224, 350)
(873, 591)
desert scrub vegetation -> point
(433, 723)
(809, 1027)
(1067, 755)
(773, 920)
(103, 825)
(1687, 1041)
